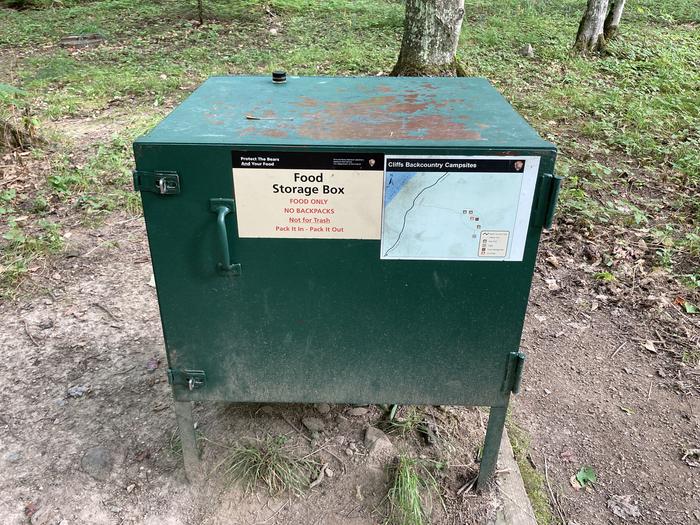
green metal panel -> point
(328, 320)
(348, 112)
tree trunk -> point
(612, 21)
(590, 38)
(200, 12)
(430, 38)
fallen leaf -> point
(649, 345)
(144, 454)
(690, 308)
(567, 455)
(586, 476)
(30, 509)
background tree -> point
(612, 21)
(430, 37)
(598, 25)
(590, 38)
(200, 12)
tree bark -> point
(612, 21)
(430, 38)
(200, 12)
(590, 38)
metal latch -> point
(552, 196)
(160, 182)
(514, 372)
(192, 379)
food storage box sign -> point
(419, 207)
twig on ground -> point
(321, 475)
(29, 334)
(555, 501)
(661, 339)
(467, 486)
(651, 384)
(274, 513)
(106, 310)
(307, 438)
(618, 349)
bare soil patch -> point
(87, 433)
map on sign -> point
(457, 208)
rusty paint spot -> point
(266, 131)
(307, 102)
(382, 117)
(275, 132)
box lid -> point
(396, 112)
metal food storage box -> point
(345, 240)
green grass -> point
(269, 464)
(627, 124)
(402, 420)
(412, 487)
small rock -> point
(97, 462)
(553, 260)
(267, 409)
(130, 488)
(13, 457)
(623, 507)
(78, 390)
(329, 472)
(44, 516)
(552, 284)
(349, 451)
(314, 424)
(358, 411)
(323, 408)
(547, 391)
(527, 51)
(273, 31)
(152, 364)
(343, 423)
(377, 443)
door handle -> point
(222, 207)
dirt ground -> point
(87, 427)
(79, 363)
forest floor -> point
(612, 333)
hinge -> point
(551, 196)
(192, 379)
(160, 182)
(514, 373)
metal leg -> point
(190, 451)
(492, 444)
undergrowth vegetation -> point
(412, 492)
(268, 463)
(627, 123)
